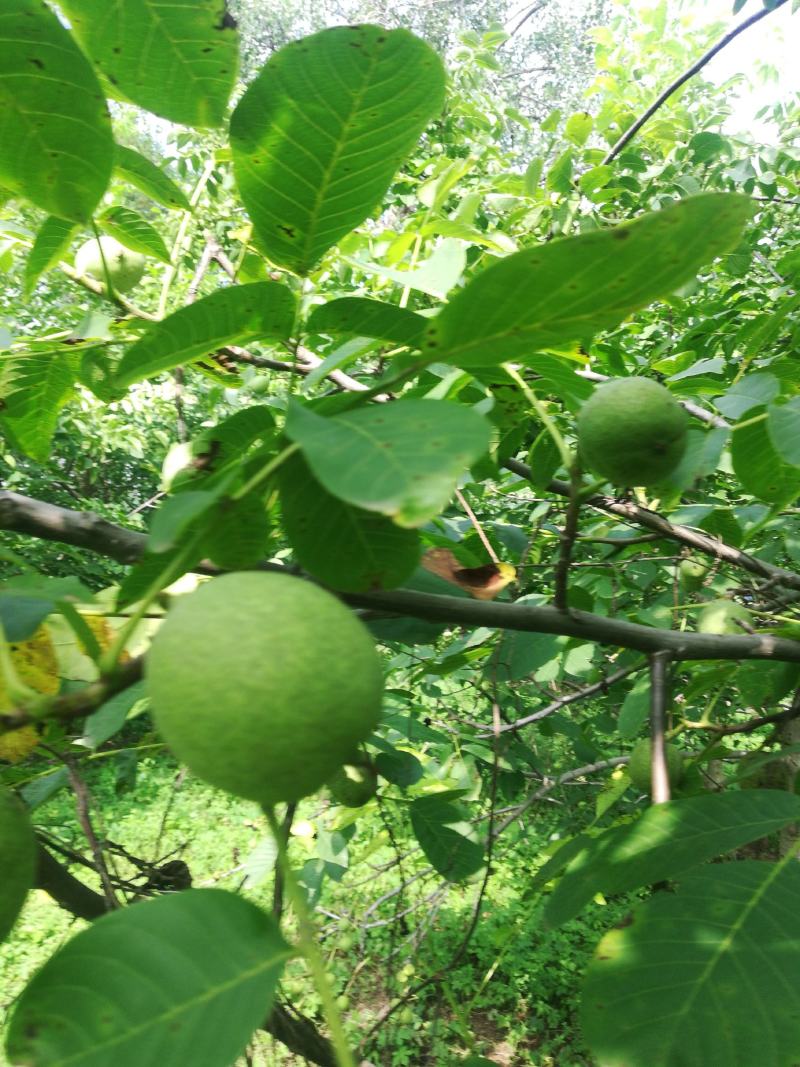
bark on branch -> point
(89, 531)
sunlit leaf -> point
(149, 179)
(236, 315)
(667, 840)
(402, 460)
(131, 230)
(55, 131)
(570, 289)
(204, 965)
(321, 131)
(177, 58)
(713, 968)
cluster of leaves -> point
(442, 338)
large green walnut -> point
(354, 784)
(632, 431)
(17, 859)
(723, 617)
(263, 684)
(639, 766)
(125, 268)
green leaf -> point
(173, 516)
(568, 290)
(710, 974)
(55, 131)
(177, 58)
(52, 241)
(236, 315)
(635, 709)
(149, 179)
(110, 718)
(578, 127)
(131, 230)
(759, 467)
(34, 386)
(667, 840)
(237, 536)
(783, 426)
(559, 177)
(401, 459)
(443, 831)
(203, 965)
(436, 275)
(344, 547)
(355, 315)
(319, 134)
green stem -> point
(309, 947)
(566, 455)
(265, 472)
(177, 246)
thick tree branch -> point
(595, 628)
(695, 68)
(83, 529)
(38, 520)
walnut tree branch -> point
(690, 72)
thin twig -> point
(695, 68)
(597, 687)
(82, 806)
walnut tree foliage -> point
(380, 287)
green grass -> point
(512, 997)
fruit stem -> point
(309, 947)
(566, 455)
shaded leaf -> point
(177, 58)
(52, 241)
(402, 459)
(667, 840)
(758, 465)
(204, 965)
(131, 230)
(149, 179)
(344, 547)
(713, 968)
(236, 315)
(570, 289)
(783, 426)
(443, 831)
(33, 387)
(321, 131)
(368, 318)
(55, 131)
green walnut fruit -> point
(692, 573)
(125, 268)
(632, 431)
(354, 784)
(723, 617)
(263, 684)
(17, 859)
(639, 767)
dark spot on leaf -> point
(289, 231)
(116, 50)
(620, 235)
(205, 51)
(37, 62)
